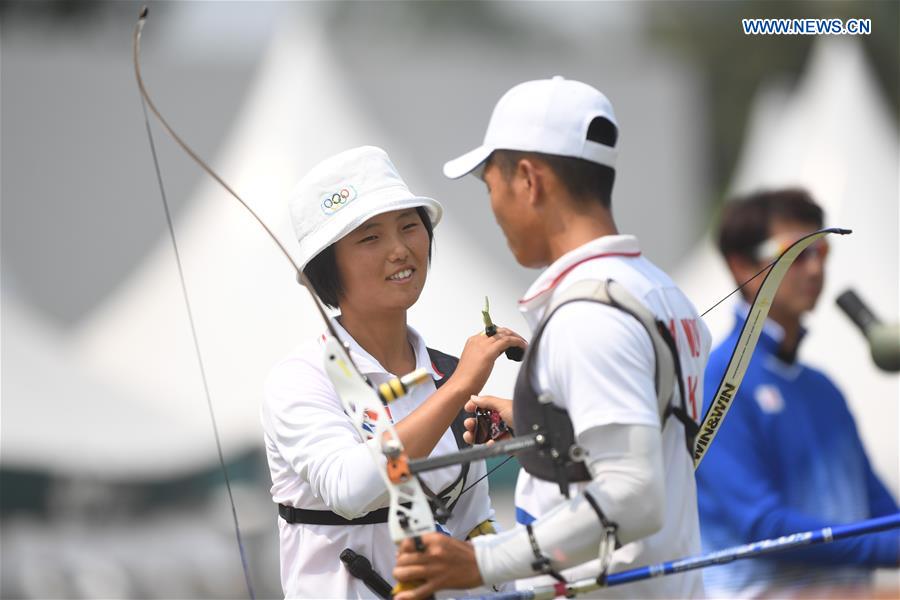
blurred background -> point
(109, 479)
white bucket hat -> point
(550, 116)
(342, 192)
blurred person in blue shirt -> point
(788, 457)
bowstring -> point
(738, 288)
(494, 468)
(190, 315)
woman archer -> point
(365, 245)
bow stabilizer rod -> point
(825, 535)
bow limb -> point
(410, 513)
(746, 344)
(148, 104)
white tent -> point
(248, 309)
(63, 419)
(834, 135)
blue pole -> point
(788, 542)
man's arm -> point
(598, 364)
(626, 461)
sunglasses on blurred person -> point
(772, 248)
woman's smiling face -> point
(383, 263)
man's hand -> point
(446, 563)
(501, 405)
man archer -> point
(617, 353)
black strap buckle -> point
(608, 543)
(541, 563)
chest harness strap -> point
(562, 460)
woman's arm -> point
(305, 420)
(423, 427)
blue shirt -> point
(786, 459)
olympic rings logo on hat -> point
(336, 201)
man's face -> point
(516, 217)
(803, 282)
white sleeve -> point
(303, 416)
(627, 466)
(603, 375)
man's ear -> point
(530, 176)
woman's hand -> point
(501, 405)
(478, 357)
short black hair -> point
(746, 220)
(582, 178)
(323, 273)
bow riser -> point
(363, 406)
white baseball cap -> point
(342, 192)
(550, 116)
